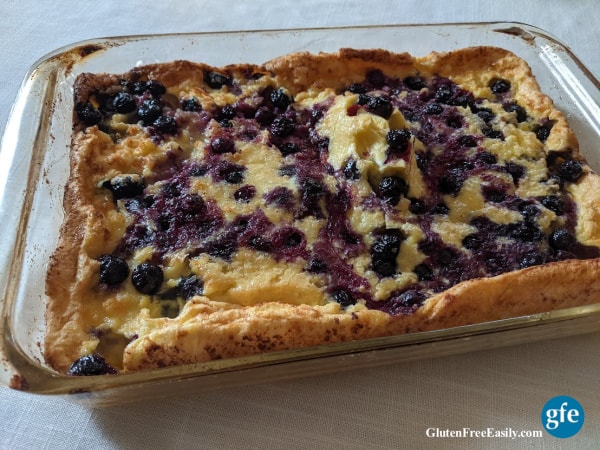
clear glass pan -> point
(34, 168)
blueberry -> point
(225, 115)
(123, 103)
(472, 241)
(351, 171)
(519, 111)
(384, 251)
(165, 124)
(451, 182)
(561, 239)
(411, 115)
(113, 270)
(155, 87)
(356, 88)
(417, 206)
(191, 204)
(409, 298)
(387, 243)
(443, 93)
(216, 80)
(487, 157)
(428, 246)
(222, 247)
(447, 256)
(486, 114)
(380, 106)
(494, 194)
(384, 267)
(288, 240)
(489, 132)
(496, 263)
(467, 141)
(264, 116)
(440, 209)
(287, 171)
(398, 139)
(455, 122)
(245, 194)
(363, 99)
(499, 86)
(416, 83)
(163, 222)
(138, 88)
(198, 171)
(530, 259)
(220, 145)
(524, 232)
(343, 297)
(423, 161)
(311, 188)
(349, 237)
(542, 132)
(516, 171)
(147, 201)
(554, 203)
(288, 148)
(125, 186)
(529, 212)
(460, 100)
(424, 272)
(149, 111)
(280, 99)
(190, 286)
(316, 265)
(391, 188)
(234, 175)
(294, 239)
(260, 243)
(91, 365)
(570, 170)
(282, 127)
(433, 109)
(147, 278)
(191, 104)
(240, 224)
(88, 114)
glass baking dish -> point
(34, 167)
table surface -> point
(384, 407)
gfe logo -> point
(562, 416)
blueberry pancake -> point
(218, 212)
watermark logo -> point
(562, 416)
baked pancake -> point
(218, 212)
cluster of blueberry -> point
(435, 112)
(141, 100)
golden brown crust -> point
(208, 329)
(68, 271)
(303, 70)
(267, 327)
(588, 224)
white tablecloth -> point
(386, 407)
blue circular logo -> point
(562, 416)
